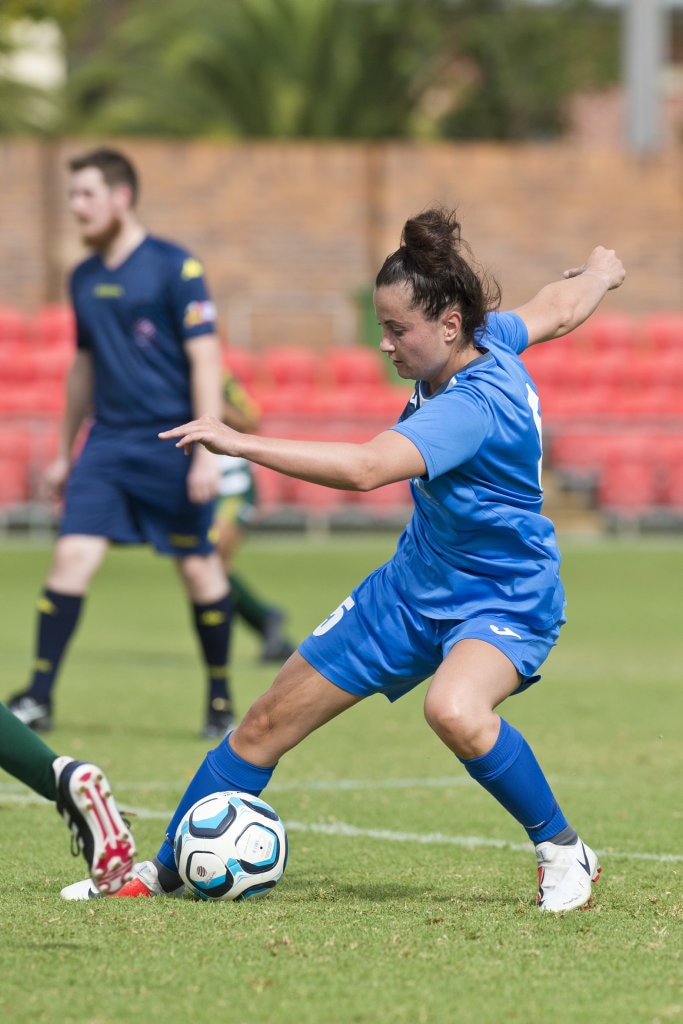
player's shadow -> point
(329, 891)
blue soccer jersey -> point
(477, 542)
(134, 320)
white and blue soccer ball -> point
(230, 846)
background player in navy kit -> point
(148, 353)
(472, 596)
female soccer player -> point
(472, 596)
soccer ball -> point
(230, 846)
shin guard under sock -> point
(511, 774)
(221, 769)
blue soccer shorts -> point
(130, 487)
(375, 642)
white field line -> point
(330, 785)
(17, 794)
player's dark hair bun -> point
(432, 240)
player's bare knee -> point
(203, 577)
(76, 560)
(453, 722)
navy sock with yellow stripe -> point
(58, 616)
(213, 624)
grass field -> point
(409, 895)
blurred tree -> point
(326, 68)
(270, 68)
(27, 105)
(524, 62)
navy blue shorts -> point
(130, 487)
(375, 642)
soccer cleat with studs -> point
(565, 874)
(86, 804)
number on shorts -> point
(334, 617)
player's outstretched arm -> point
(384, 459)
(561, 306)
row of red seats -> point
(553, 366)
(278, 492)
(25, 451)
(50, 326)
(53, 324)
(632, 474)
(614, 331)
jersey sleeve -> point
(193, 308)
(448, 430)
(505, 329)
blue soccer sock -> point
(511, 774)
(221, 769)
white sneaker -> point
(565, 874)
(145, 882)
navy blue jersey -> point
(477, 542)
(134, 320)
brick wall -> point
(290, 232)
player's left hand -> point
(208, 431)
(604, 263)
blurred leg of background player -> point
(235, 509)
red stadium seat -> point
(289, 366)
(14, 326)
(580, 456)
(663, 331)
(274, 489)
(611, 330)
(54, 326)
(390, 498)
(316, 499)
(667, 455)
(664, 367)
(242, 363)
(628, 489)
(561, 407)
(354, 365)
(15, 445)
(547, 364)
(14, 481)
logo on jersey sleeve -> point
(197, 313)
(191, 268)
